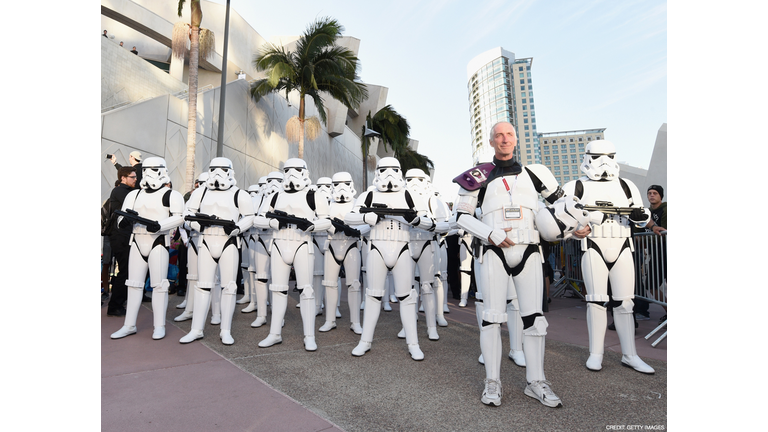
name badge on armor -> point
(512, 212)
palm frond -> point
(180, 39)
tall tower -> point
(500, 88)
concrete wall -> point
(125, 77)
(254, 137)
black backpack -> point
(106, 218)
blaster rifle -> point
(212, 220)
(152, 226)
(607, 207)
(286, 218)
(341, 226)
(383, 210)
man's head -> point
(134, 158)
(655, 195)
(503, 140)
(121, 43)
(127, 176)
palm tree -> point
(317, 66)
(201, 43)
(412, 159)
(394, 130)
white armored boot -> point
(317, 281)
(353, 299)
(490, 345)
(190, 303)
(597, 320)
(133, 304)
(370, 317)
(465, 280)
(625, 329)
(261, 303)
(252, 284)
(216, 304)
(187, 295)
(159, 307)
(331, 297)
(515, 326)
(307, 300)
(279, 306)
(246, 298)
(202, 302)
(533, 347)
(408, 318)
(479, 308)
(440, 301)
(228, 303)
(428, 300)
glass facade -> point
(564, 151)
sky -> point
(596, 64)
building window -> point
(570, 140)
(580, 139)
(563, 147)
(522, 81)
(527, 140)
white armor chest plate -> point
(515, 208)
(614, 226)
(221, 204)
(150, 205)
(391, 229)
(295, 204)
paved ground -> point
(165, 386)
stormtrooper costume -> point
(388, 251)
(293, 247)
(608, 252)
(260, 247)
(249, 239)
(510, 279)
(342, 249)
(422, 247)
(149, 245)
(193, 243)
(443, 226)
(320, 241)
(218, 247)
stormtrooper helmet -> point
(202, 178)
(221, 175)
(274, 183)
(599, 163)
(389, 176)
(343, 187)
(325, 184)
(255, 189)
(154, 173)
(417, 181)
(296, 175)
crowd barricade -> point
(650, 259)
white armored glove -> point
(497, 236)
(371, 219)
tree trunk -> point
(194, 49)
(301, 132)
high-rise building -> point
(500, 88)
(563, 152)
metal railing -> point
(650, 258)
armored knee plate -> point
(134, 284)
(426, 288)
(278, 288)
(539, 327)
(354, 286)
(377, 293)
(307, 292)
(230, 288)
(162, 287)
(626, 307)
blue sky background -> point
(596, 64)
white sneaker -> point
(492, 392)
(445, 308)
(595, 362)
(637, 364)
(416, 353)
(518, 357)
(309, 343)
(387, 307)
(260, 321)
(244, 299)
(226, 337)
(186, 315)
(159, 333)
(441, 321)
(338, 314)
(393, 298)
(355, 327)
(123, 332)
(361, 348)
(215, 319)
(192, 336)
(401, 335)
(432, 333)
(182, 305)
(540, 390)
(328, 326)
(271, 339)
(250, 308)
(481, 360)
(463, 303)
